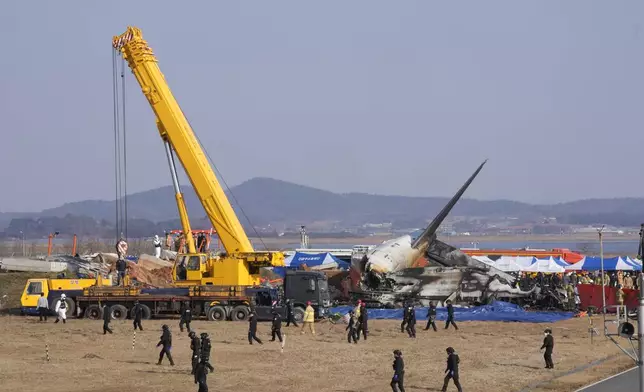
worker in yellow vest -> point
(309, 318)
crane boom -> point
(240, 265)
(176, 130)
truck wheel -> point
(240, 313)
(118, 312)
(147, 313)
(217, 313)
(94, 312)
(71, 305)
(298, 315)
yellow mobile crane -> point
(240, 265)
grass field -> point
(494, 357)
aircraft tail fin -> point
(438, 220)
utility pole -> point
(640, 332)
(601, 259)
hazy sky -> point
(388, 97)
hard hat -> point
(63, 296)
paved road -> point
(627, 381)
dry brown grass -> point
(494, 357)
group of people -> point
(409, 318)
(451, 371)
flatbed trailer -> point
(215, 303)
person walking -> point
(201, 378)
(166, 342)
(352, 327)
(362, 322)
(195, 347)
(548, 344)
(309, 318)
(107, 317)
(431, 316)
(186, 316)
(397, 380)
(450, 315)
(276, 326)
(252, 328)
(411, 321)
(405, 316)
(43, 307)
(204, 354)
(290, 318)
(452, 370)
(61, 309)
(138, 315)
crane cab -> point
(239, 269)
(190, 269)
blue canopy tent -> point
(312, 260)
(610, 264)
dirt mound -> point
(159, 277)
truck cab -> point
(52, 290)
(303, 286)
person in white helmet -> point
(61, 309)
(157, 247)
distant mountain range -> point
(267, 201)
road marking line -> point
(606, 379)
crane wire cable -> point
(116, 144)
(225, 184)
(124, 144)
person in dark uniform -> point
(452, 370)
(276, 327)
(431, 317)
(290, 318)
(166, 342)
(201, 372)
(186, 316)
(138, 315)
(195, 346)
(411, 321)
(352, 328)
(107, 317)
(548, 344)
(204, 354)
(363, 320)
(252, 328)
(450, 315)
(399, 372)
(405, 316)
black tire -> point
(118, 312)
(298, 314)
(71, 306)
(147, 313)
(240, 313)
(217, 313)
(94, 312)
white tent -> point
(549, 266)
(504, 263)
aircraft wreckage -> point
(386, 276)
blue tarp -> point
(497, 311)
